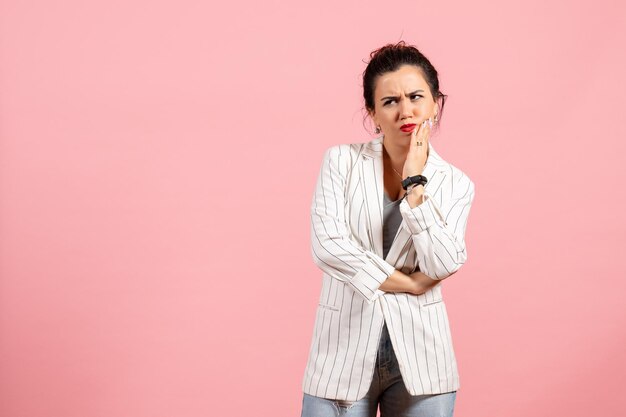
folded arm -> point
(439, 235)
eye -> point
(417, 95)
(388, 101)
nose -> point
(406, 109)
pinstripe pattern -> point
(347, 245)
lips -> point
(407, 127)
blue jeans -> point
(387, 390)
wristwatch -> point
(416, 179)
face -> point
(402, 97)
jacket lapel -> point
(371, 171)
(371, 166)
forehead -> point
(404, 79)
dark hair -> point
(391, 57)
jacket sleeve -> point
(333, 251)
(439, 235)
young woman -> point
(388, 222)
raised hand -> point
(418, 150)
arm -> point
(439, 237)
(332, 249)
(416, 283)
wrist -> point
(415, 195)
(416, 285)
(422, 282)
(413, 180)
(400, 282)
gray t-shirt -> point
(391, 221)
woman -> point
(381, 333)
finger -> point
(428, 126)
(419, 131)
(425, 131)
(421, 135)
(413, 144)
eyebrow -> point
(409, 94)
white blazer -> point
(347, 245)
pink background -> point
(157, 163)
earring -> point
(377, 129)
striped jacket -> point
(346, 244)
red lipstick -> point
(407, 127)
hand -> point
(422, 282)
(417, 155)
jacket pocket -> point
(430, 303)
(328, 306)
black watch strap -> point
(416, 179)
